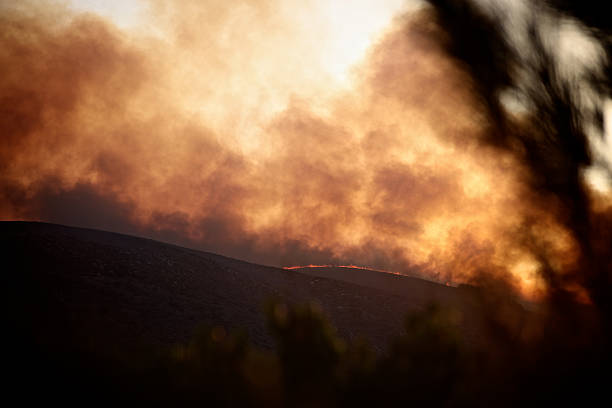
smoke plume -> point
(230, 128)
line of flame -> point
(365, 268)
(342, 266)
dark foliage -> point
(431, 364)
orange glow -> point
(258, 131)
(365, 268)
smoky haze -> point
(199, 134)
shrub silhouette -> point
(430, 364)
(309, 352)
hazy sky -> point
(125, 13)
(351, 27)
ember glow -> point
(280, 132)
(364, 268)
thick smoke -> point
(223, 129)
(562, 93)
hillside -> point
(419, 290)
(92, 283)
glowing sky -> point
(125, 13)
(346, 28)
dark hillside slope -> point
(419, 290)
(77, 285)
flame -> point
(365, 268)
